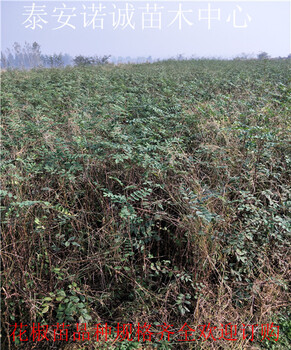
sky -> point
(157, 28)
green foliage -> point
(147, 193)
(283, 320)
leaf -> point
(47, 299)
(87, 317)
(59, 298)
(45, 309)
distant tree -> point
(141, 60)
(36, 49)
(30, 56)
(56, 60)
(105, 59)
(67, 59)
(82, 61)
(263, 56)
(91, 60)
(34, 53)
(97, 60)
(52, 61)
(149, 59)
(243, 56)
(10, 60)
(27, 56)
(180, 57)
(18, 57)
(3, 61)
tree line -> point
(30, 56)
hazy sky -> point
(235, 27)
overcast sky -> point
(234, 27)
